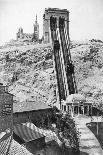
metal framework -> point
(62, 58)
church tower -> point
(36, 30)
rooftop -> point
(29, 106)
(56, 9)
(75, 98)
(27, 132)
(17, 149)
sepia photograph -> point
(51, 77)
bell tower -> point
(36, 30)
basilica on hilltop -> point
(21, 36)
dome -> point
(75, 98)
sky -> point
(86, 17)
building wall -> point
(36, 31)
(29, 37)
(46, 21)
(23, 117)
(6, 110)
(23, 36)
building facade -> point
(21, 36)
(6, 119)
(46, 21)
(6, 109)
(76, 104)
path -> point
(88, 142)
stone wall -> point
(6, 110)
(23, 117)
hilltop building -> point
(21, 36)
(24, 36)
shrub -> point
(64, 125)
(69, 132)
(7, 58)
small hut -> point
(76, 104)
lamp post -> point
(97, 125)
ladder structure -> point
(58, 33)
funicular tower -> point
(56, 30)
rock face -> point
(88, 62)
(29, 73)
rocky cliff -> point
(29, 73)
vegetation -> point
(7, 58)
(65, 127)
(87, 59)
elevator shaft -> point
(62, 58)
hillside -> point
(88, 61)
(29, 73)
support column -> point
(88, 109)
(72, 110)
(91, 110)
(78, 109)
(66, 108)
(62, 107)
(83, 109)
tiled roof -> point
(17, 149)
(11, 147)
(27, 132)
(4, 145)
(29, 106)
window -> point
(6, 109)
